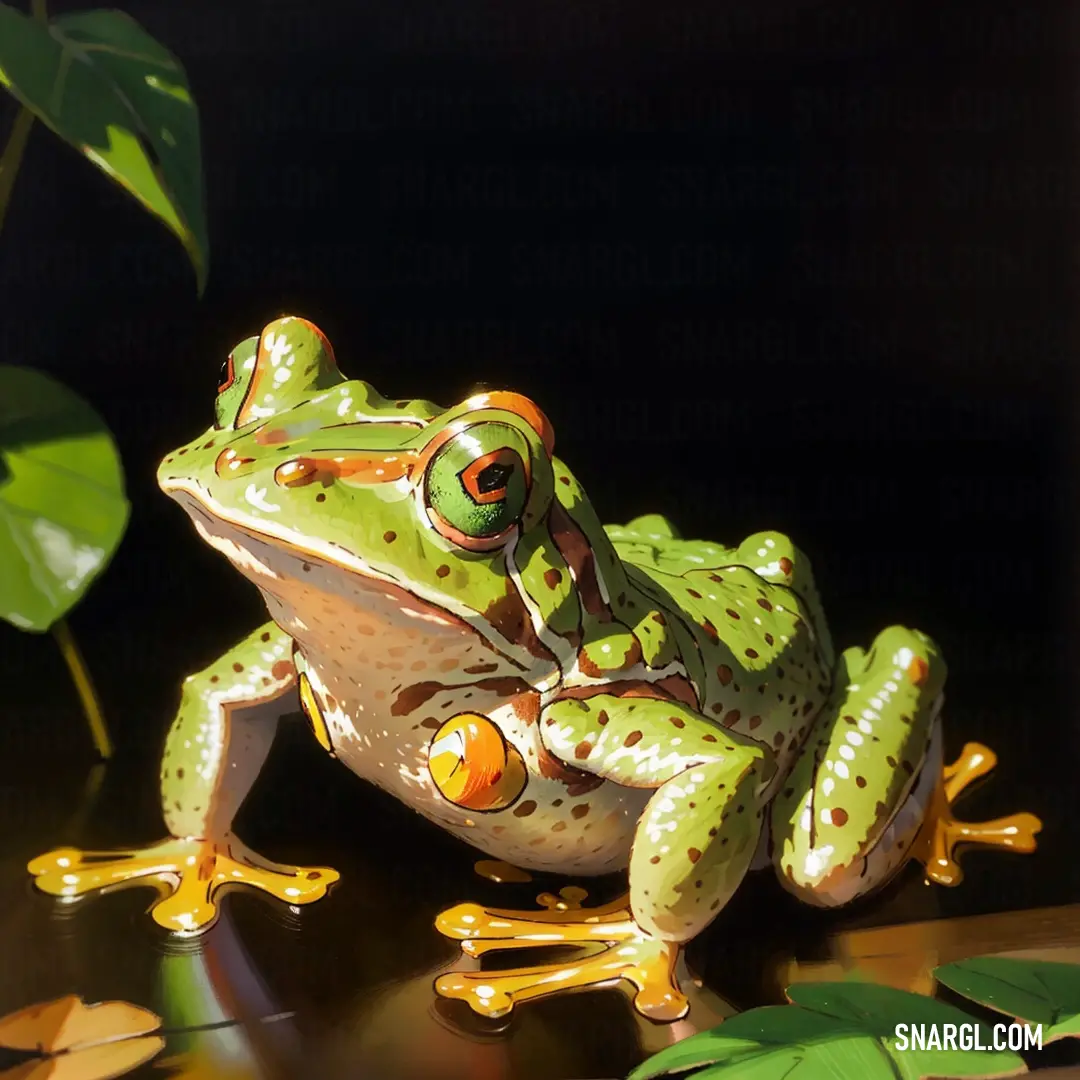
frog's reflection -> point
(446, 1040)
(224, 1020)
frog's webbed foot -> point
(186, 872)
(942, 833)
(625, 953)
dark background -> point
(805, 266)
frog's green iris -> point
(233, 382)
(477, 483)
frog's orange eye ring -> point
(486, 478)
(521, 407)
(227, 376)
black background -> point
(805, 266)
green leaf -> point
(835, 1030)
(1038, 991)
(880, 1010)
(62, 506)
(105, 86)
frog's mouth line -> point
(204, 510)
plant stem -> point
(12, 156)
(87, 695)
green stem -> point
(12, 156)
(87, 695)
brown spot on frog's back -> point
(282, 669)
(552, 578)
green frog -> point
(461, 630)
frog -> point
(457, 626)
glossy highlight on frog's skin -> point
(459, 628)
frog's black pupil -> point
(493, 477)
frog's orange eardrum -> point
(473, 765)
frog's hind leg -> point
(869, 790)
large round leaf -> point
(62, 504)
(105, 86)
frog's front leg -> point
(217, 745)
(693, 844)
(869, 790)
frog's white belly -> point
(382, 666)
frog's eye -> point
(477, 485)
(233, 382)
(227, 375)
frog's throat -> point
(209, 516)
